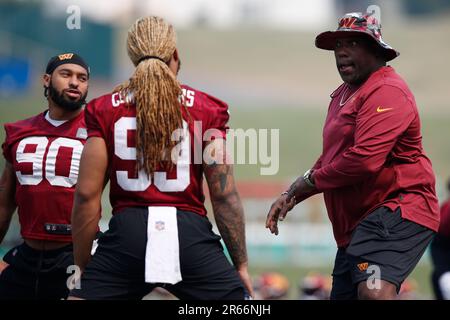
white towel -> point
(162, 256)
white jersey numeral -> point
(37, 159)
(143, 181)
(183, 161)
(121, 149)
(50, 164)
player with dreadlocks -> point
(159, 234)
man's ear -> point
(46, 80)
(175, 55)
(174, 63)
(46, 83)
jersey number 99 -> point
(143, 181)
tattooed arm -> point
(7, 202)
(228, 211)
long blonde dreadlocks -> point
(151, 43)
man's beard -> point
(60, 100)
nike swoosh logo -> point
(380, 109)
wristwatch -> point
(307, 178)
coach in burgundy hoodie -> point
(378, 184)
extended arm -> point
(87, 202)
(228, 212)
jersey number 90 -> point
(37, 158)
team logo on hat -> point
(356, 23)
(347, 22)
(65, 56)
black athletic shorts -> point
(383, 246)
(35, 274)
(117, 269)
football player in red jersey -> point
(159, 234)
(42, 158)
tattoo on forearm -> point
(218, 176)
(228, 211)
(223, 181)
(230, 222)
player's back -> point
(113, 119)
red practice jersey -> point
(110, 118)
(45, 159)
